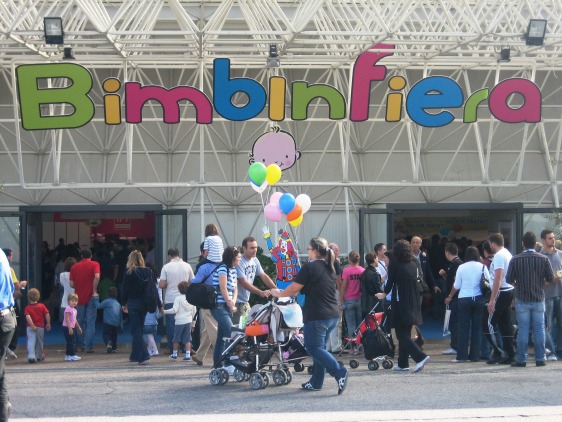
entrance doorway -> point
(468, 223)
(54, 233)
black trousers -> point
(503, 319)
(7, 328)
(110, 334)
(407, 347)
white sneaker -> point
(449, 351)
(230, 369)
(74, 358)
(552, 357)
(421, 364)
(67, 358)
(397, 368)
(11, 354)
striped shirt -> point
(528, 271)
(231, 281)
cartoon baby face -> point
(276, 147)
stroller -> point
(377, 345)
(270, 330)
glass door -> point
(171, 232)
(374, 224)
(12, 228)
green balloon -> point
(257, 173)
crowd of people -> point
(113, 277)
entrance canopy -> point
(344, 164)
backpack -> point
(151, 296)
(202, 295)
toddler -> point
(111, 318)
(212, 246)
(183, 311)
(149, 331)
(69, 324)
(36, 314)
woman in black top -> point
(135, 283)
(406, 308)
(370, 284)
(317, 281)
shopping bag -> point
(446, 331)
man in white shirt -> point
(174, 272)
(499, 305)
(247, 271)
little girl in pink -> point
(69, 324)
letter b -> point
(32, 98)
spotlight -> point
(505, 54)
(54, 33)
(535, 32)
(273, 58)
(68, 54)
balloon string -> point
(263, 208)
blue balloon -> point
(287, 203)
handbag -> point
(446, 330)
(485, 287)
(422, 285)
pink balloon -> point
(272, 212)
(274, 198)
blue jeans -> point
(137, 313)
(316, 334)
(554, 329)
(170, 325)
(86, 317)
(70, 341)
(352, 315)
(530, 313)
(224, 328)
(470, 314)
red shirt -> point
(82, 274)
(37, 312)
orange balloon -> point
(295, 213)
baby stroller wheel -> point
(299, 367)
(239, 376)
(310, 369)
(215, 377)
(353, 363)
(279, 377)
(289, 376)
(387, 364)
(225, 376)
(373, 365)
(265, 377)
(256, 381)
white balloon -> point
(259, 189)
(304, 201)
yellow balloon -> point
(296, 221)
(273, 174)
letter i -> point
(394, 100)
(277, 87)
(112, 102)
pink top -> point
(72, 319)
(353, 289)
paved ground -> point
(104, 387)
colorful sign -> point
(427, 102)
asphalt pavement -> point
(107, 387)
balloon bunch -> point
(285, 203)
(262, 176)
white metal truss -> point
(344, 165)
